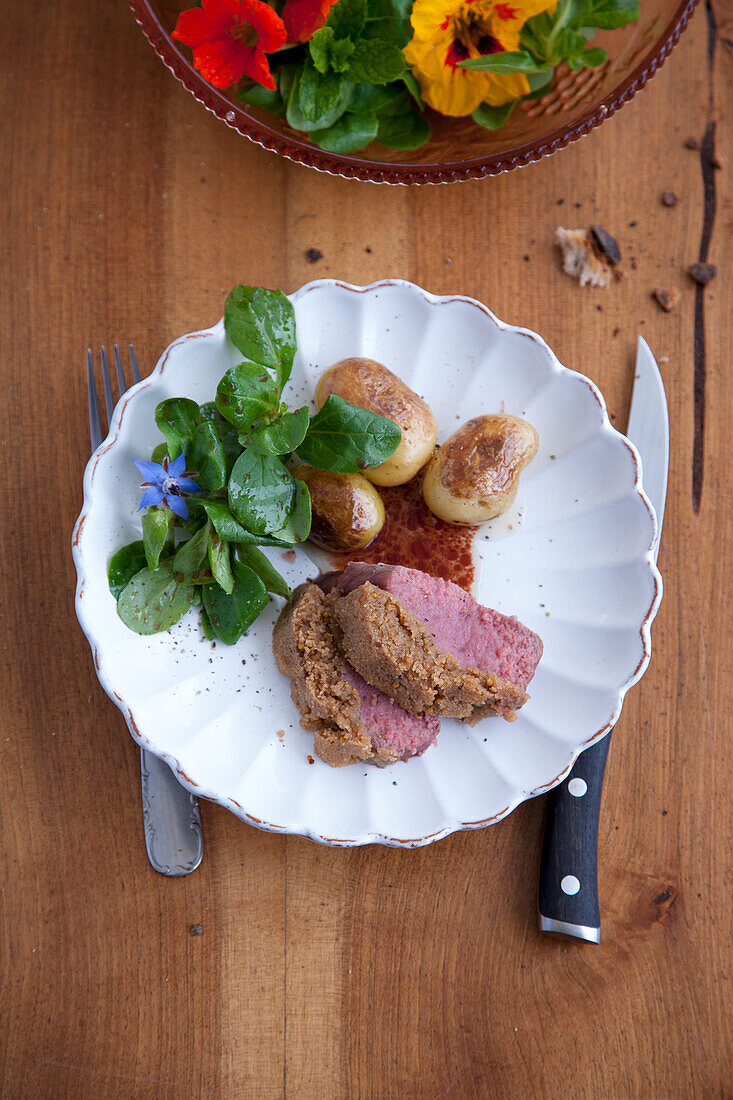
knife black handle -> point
(568, 897)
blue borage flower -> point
(166, 484)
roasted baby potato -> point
(370, 385)
(347, 510)
(474, 476)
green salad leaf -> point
(261, 492)
(491, 118)
(157, 524)
(345, 438)
(230, 614)
(519, 61)
(219, 561)
(265, 570)
(177, 419)
(408, 130)
(153, 600)
(298, 524)
(389, 20)
(123, 566)
(370, 99)
(190, 564)
(283, 436)
(205, 456)
(315, 100)
(261, 324)
(247, 393)
(351, 133)
(347, 18)
(228, 528)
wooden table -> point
(368, 973)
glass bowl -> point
(459, 149)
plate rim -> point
(293, 148)
(301, 830)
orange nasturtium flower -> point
(230, 39)
(302, 18)
(448, 31)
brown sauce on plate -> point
(414, 537)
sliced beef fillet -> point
(351, 720)
(428, 644)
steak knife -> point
(568, 893)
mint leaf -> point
(330, 54)
(375, 61)
(261, 324)
(348, 135)
(492, 118)
(345, 438)
(245, 394)
(509, 62)
(405, 131)
(347, 17)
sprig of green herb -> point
(238, 447)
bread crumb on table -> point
(589, 255)
(667, 299)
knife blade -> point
(568, 891)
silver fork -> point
(173, 834)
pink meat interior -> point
(388, 726)
(478, 636)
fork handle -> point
(173, 834)
(568, 896)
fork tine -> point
(95, 427)
(107, 382)
(135, 368)
(121, 382)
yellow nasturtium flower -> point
(448, 31)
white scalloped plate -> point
(573, 561)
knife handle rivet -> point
(570, 885)
(577, 787)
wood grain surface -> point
(129, 213)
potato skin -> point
(474, 476)
(372, 386)
(347, 510)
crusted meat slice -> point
(396, 652)
(351, 720)
(495, 656)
